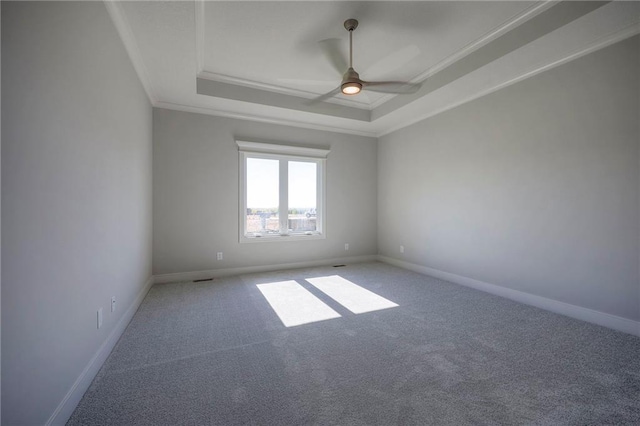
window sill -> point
(281, 238)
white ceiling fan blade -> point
(392, 62)
(333, 49)
(302, 82)
(325, 96)
(399, 87)
(310, 86)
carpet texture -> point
(215, 353)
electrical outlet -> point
(401, 249)
(346, 246)
(99, 317)
(219, 255)
(113, 303)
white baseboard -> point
(73, 397)
(585, 314)
(224, 272)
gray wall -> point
(195, 194)
(76, 196)
(534, 187)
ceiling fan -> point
(352, 84)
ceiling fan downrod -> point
(351, 83)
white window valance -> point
(268, 148)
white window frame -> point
(284, 153)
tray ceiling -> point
(263, 61)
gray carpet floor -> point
(215, 353)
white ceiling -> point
(262, 60)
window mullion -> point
(320, 195)
(283, 209)
(243, 193)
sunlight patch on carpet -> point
(294, 304)
(350, 295)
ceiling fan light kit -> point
(351, 83)
(351, 88)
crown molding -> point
(208, 75)
(471, 47)
(278, 101)
(614, 37)
(262, 119)
(123, 28)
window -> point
(281, 192)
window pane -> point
(262, 196)
(302, 196)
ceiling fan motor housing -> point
(351, 76)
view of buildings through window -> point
(264, 190)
